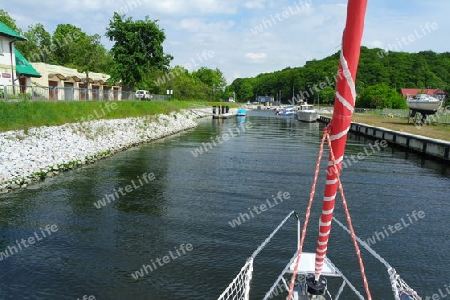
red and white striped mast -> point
(340, 123)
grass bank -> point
(441, 132)
(24, 115)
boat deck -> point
(307, 265)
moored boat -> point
(286, 111)
(307, 113)
(241, 112)
(424, 103)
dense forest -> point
(138, 62)
(380, 77)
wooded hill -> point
(380, 77)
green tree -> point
(246, 92)
(185, 86)
(90, 56)
(137, 49)
(213, 79)
(380, 96)
(327, 95)
(66, 42)
(38, 46)
(242, 88)
(9, 21)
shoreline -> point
(30, 156)
(430, 147)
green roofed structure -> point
(5, 30)
(15, 70)
(23, 67)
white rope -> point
(345, 279)
(239, 288)
(280, 277)
(271, 235)
(341, 289)
(364, 244)
(398, 285)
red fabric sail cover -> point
(343, 109)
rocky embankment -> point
(32, 155)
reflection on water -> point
(194, 199)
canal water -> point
(180, 223)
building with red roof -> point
(437, 93)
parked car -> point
(143, 95)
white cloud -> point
(256, 57)
(225, 27)
(375, 44)
(191, 7)
(254, 4)
(200, 25)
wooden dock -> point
(223, 116)
(420, 144)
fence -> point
(442, 116)
(9, 93)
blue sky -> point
(248, 37)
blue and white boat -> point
(286, 111)
(241, 112)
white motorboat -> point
(306, 275)
(307, 113)
(286, 111)
(424, 103)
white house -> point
(15, 70)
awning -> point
(90, 80)
(23, 67)
(58, 75)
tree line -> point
(380, 77)
(136, 60)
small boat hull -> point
(307, 113)
(423, 102)
(309, 117)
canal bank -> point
(27, 157)
(416, 143)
